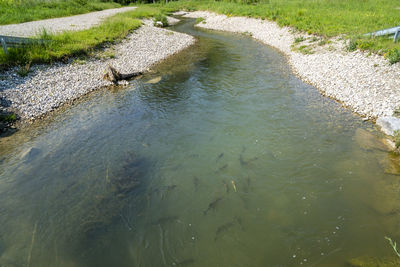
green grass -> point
(17, 11)
(327, 18)
(69, 44)
(9, 117)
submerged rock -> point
(30, 154)
(154, 80)
(108, 208)
(391, 164)
(369, 141)
(130, 175)
(389, 125)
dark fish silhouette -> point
(170, 187)
(212, 205)
(222, 168)
(196, 183)
(222, 229)
(219, 157)
(244, 162)
(226, 186)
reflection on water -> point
(220, 157)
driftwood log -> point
(115, 76)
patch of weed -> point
(393, 55)
(160, 18)
(8, 117)
(299, 39)
(198, 20)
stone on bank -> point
(389, 125)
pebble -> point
(47, 87)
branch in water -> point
(116, 76)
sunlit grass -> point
(65, 45)
(14, 11)
(348, 18)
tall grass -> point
(350, 19)
(324, 17)
(17, 11)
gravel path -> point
(47, 87)
(366, 83)
(72, 23)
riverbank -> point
(364, 82)
(47, 87)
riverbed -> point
(220, 156)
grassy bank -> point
(327, 18)
(17, 11)
(68, 44)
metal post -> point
(396, 36)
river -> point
(225, 158)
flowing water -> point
(227, 160)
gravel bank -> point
(367, 84)
(72, 23)
(47, 87)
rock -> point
(30, 153)
(172, 21)
(154, 80)
(369, 141)
(391, 164)
(389, 144)
(388, 124)
(159, 24)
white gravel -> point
(47, 87)
(72, 23)
(366, 83)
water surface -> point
(229, 160)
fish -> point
(222, 168)
(126, 221)
(226, 186)
(244, 162)
(219, 157)
(241, 160)
(212, 205)
(248, 181)
(246, 185)
(165, 220)
(222, 229)
(196, 183)
(170, 187)
(234, 185)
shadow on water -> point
(218, 157)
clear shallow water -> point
(229, 160)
